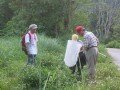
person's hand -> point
(82, 48)
(86, 48)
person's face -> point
(33, 30)
(81, 33)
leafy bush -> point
(107, 75)
(113, 44)
(49, 60)
(30, 77)
(50, 72)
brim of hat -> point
(33, 28)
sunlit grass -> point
(107, 75)
(15, 75)
(50, 72)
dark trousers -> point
(31, 59)
(80, 63)
(82, 58)
(76, 67)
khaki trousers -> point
(91, 56)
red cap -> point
(79, 28)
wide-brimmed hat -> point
(32, 26)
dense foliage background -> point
(56, 20)
(56, 17)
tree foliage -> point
(104, 17)
(52, 16)
(55, 17)
(5, 14)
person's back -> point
(81, 60)
(90, 39)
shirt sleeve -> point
(36, 37)
(27, 38)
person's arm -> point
(97, 40)
(82, 48)
(36, 37)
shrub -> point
(113, 44)
(30, 77)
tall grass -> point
(107, 75)
(15, 75)
(114, 44)
(50, 72)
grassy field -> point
(50, 72)
(107, 75)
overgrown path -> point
(115, 54)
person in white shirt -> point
(76, 69)
(31, 43)
(77, 65)
(91, 49)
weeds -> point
(50, 72)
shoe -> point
(92, 82)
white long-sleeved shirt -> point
(31, 41)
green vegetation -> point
(113, 44)
(15, 75)
(56, 20)
(50, 72)
(107, 75)
(55, 17)
(59, 18)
